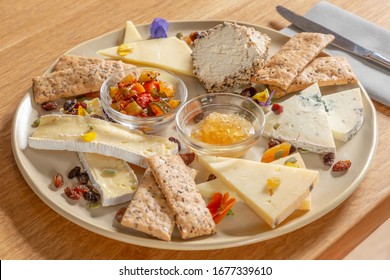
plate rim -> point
(186, 245)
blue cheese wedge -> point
(170, 53)
(304, 122)
(64, 132)
(113, 178)
(250, 180)
(345, 110)
(207, 189)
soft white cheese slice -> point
(304, 122)
(345, 110)
(63, 132)
(131, 33)
(249, 180)
(113, 178)
(170, 53)
(207, 189)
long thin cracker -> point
(73, 81)
(186, 203)
(72, 61)
(326, 71)
(148, 211)
(281, 69)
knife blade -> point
(339, 41)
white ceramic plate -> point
(38, 167)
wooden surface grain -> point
(34, 33)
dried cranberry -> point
(82, 188)
(119, 214)
(83, 178)
(199, 117)
(277, 108)
(342, 165)
(91, 196)
(49, 106)
(72, 193)
(248, 92)
(74, 172)
(58, 180)
(174, 140)
(188, 158)
(293, 149)
(273, 142)
(328, 159)
(69, 104)
(195, 35)
(82, 104)
(96, 116)
(211, 177)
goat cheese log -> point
(228, 55)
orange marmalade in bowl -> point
(222, 129)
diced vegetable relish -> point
(143, 96)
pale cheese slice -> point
(346, 114)
(249, 180)
(114, 188)
(63, 132)
(131, 33)
(170, 53)
(303, 123)
(306, 203)
(209, 188)
(113, 178)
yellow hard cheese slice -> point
(207, 189)
(170, 53)
(131, 33)
(249, 180)
(306, 203)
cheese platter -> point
(245, 226)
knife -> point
(339, 41)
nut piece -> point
(342, 165)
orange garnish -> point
(220, 205)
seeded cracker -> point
(186, 203)
(71, 82)
(281, 69)
(148, 211)
(72, 61)
(326, 71)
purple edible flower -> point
(159, 28)
(268, 102)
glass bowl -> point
(150, 124)
(198, 108)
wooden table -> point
(34, 33)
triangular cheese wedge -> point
(306, 203)
(170, 53)
(346, 113)
(208, 188)
(131, 33)
(249, 179)
(303, 123)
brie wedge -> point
(112, 178)
(303, 123)
(63, 132)
(249, 180)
